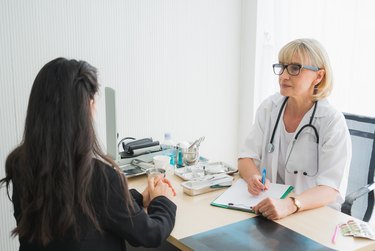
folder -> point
(237, 196)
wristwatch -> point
(297, 203)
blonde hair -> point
(310, 52)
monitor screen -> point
(111, 139)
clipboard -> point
(237, 196)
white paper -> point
(238, 196)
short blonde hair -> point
(310, 52)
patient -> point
(67, 194)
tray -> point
(207, 183)
(202, 169)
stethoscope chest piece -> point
(270, 148)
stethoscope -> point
(271, 147)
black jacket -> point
(140, 229)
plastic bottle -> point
(169, 148)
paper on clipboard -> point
(237, 196)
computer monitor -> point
(111, 126)
(112, 137)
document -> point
(237, 196)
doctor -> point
(298, 136)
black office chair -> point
(361, 174)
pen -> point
(335, 234)
(232, 206)
(263, 177)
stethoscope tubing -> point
(271, 147)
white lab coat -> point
(334, 148)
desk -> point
(196, 215)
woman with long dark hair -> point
(67, 194)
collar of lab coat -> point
(321, 110)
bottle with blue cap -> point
(169, 148)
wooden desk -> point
(196, 215)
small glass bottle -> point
(180, 158)
(181, 147)
(169, 148)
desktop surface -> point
(195, 215)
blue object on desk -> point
(264, 176)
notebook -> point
(237, 196)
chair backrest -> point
(362, 132)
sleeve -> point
(138, 227)
(252, 148)
(137, 196)
(335, 156)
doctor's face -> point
(301, 85)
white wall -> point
(8, 126)
(246, 97)
(174, 64)
(345, 29)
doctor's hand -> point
(255, 186)
(274, 209)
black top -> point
(141, 229)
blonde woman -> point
(298, 136)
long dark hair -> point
(52, 168)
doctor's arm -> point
(250, 173)
(316, 197)
(275, 209)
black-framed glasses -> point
(292, 69)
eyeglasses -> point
(292, 69)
